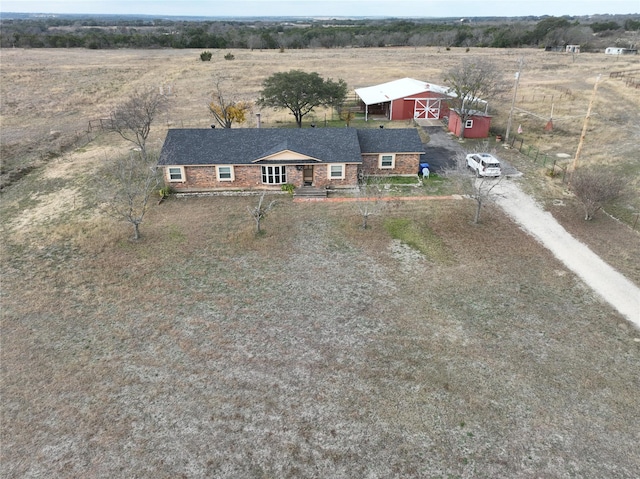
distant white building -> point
(620, 51)
(572, 49)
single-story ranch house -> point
(195, 160)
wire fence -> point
(631, 78)
(552, 163)
(544, 97)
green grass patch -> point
(419, 236)
(437, 185)
(174, 234)
(393, 180)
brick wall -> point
(203, 178)
(406, 164)
(321, 177)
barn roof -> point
(393, 90)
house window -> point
(468, 124)
(225, 173)
(274, 175)
(387, 161)
(176, 173)
(336, 172)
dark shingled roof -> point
(247, 145)
(391, 140)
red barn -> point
(477, 126)
(405, 99)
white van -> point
(484, 164)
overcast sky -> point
(343, 8)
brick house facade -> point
(195, 160)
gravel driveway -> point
(610, 285)
(443, 148)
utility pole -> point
(513, 102)
(574, 164)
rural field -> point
(424, 346)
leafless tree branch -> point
(132, 119)
(595, 188)
(126, 188)
(260, 211)
(480, 189)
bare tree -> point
(125, 189)
(480, 189)
(595, 188)
(225, 108)
(370, 198)
(472, 83)
(260, 211)
(132, 119)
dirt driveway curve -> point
(610, 285)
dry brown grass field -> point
(318, 349)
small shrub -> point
(165, 191)
(288, 187)
(229, 56)
(206, 56)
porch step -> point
(309, 192)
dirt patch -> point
(51, 207)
